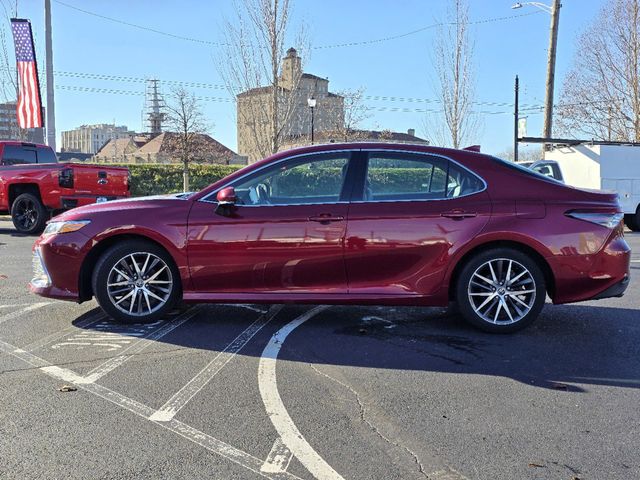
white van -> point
(601, 167)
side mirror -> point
(227, 196)
(226, 201)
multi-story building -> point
(90, 138)
(255, 112)
(9, 129)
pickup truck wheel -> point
(501, 290)
(136, 282)
(28, 214)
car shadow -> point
(568, 348)
(14, 233)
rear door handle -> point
(458, 214)
(326, 218)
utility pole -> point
(551, 67)
(515, 122)
(51, 114)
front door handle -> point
(458, 214)
(326, 218)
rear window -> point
(521, 169)
(16, 155)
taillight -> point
(65, 178)
(606, 219)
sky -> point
(91, 52)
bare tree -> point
(601, 93)
(523, 155)
(252, 65)
(455, 85)
(348, 120)
(187, 136)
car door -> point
(284, 235)
(414, 211)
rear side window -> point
(46, 155)
(16, 155)
(392, 176)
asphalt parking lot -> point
(254, 391)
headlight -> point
(65, 227)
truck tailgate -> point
(100, 180)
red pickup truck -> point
(33, 184)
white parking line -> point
(198, 437)
(278, 459)
(197, 383)
(114, 362)
(22, 311)
(276, 410)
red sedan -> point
(385, 224)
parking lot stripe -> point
(198, 437)
(22, 311)
(278, 459)
(114, 362)
(197, 383)
(276, 410)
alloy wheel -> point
(502, 291)
(26, 213)
(139, 283)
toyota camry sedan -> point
(384, 224)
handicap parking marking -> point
(185, 431)
(23, 311)
(180, 399)
(141, 344)
(44, 341)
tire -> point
(482, 297)
(632, 221)
(131, 298)
(28, 214)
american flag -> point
(29, 104)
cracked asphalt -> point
(377, 392)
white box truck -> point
(602, 167)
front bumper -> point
(57, 260)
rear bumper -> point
(616, 290)
(588, 277)
(68, 202)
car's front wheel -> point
(501, 290)
(136, 282)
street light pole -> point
(312, 105)
(551, 68)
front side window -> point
(398, 177)
(308, 180)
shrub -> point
(157, 179)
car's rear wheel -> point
(501, 290)
(28, 214)
(136, 282)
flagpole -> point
(51, 118)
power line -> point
(320, 47)
(140, 27)
(419, 30)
